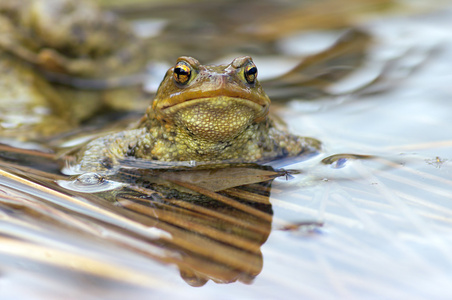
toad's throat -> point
(215, 119)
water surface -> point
(368, 217)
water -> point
(368, 217)
(387, 230)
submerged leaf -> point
(221, 179)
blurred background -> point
(368, 217)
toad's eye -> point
(250, 73)
(182, 73)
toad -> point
(203, 113)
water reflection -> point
(314, 77)
(207, 222)
(216, 233)
(210, 223)
(210, 234)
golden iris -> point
(182, 73)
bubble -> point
(90, 183)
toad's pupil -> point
(180, 71)
(182, 74)
(250, 74)
(252, 71)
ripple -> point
(90, 183)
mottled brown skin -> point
(201, 113)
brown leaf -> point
(221, 179)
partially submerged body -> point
(201, 113)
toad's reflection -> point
(217, 226)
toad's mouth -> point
(174, 101)
(216, 107)
(215, 118)
(216, 99)
(221, 94)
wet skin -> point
(201, 113)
